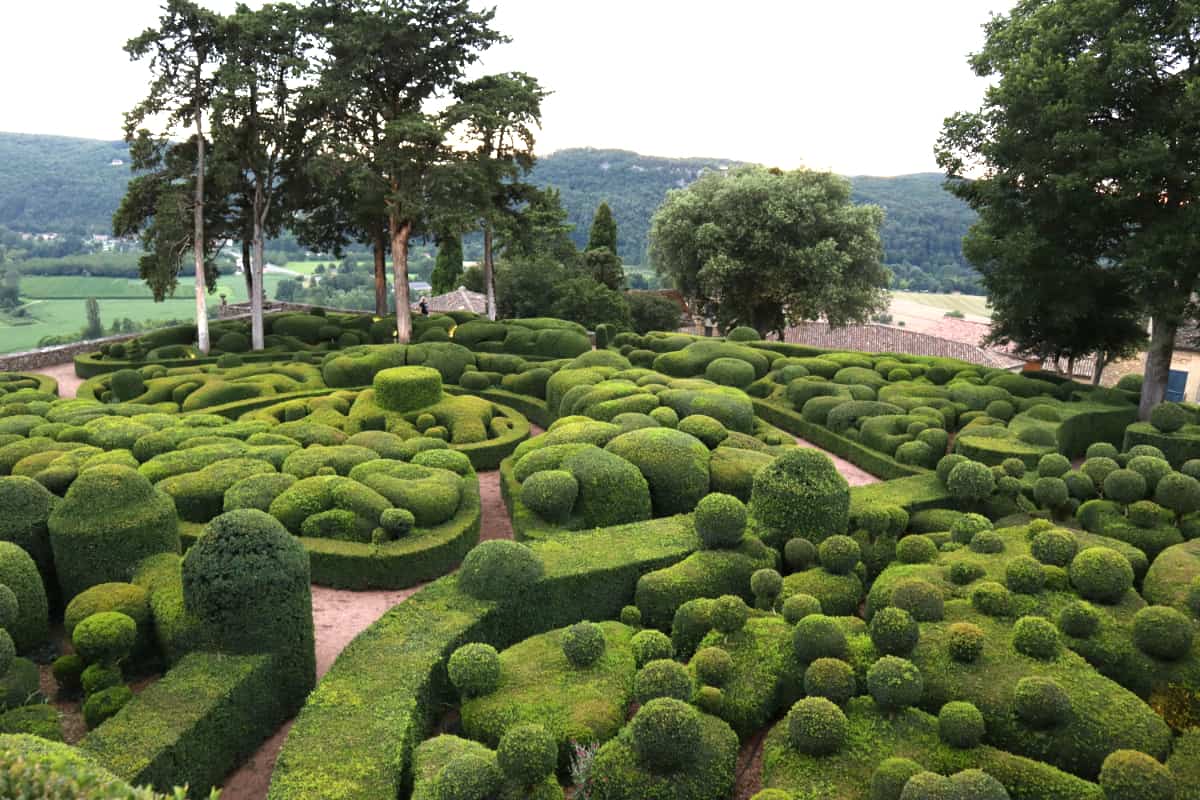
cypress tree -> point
(448, 269)
(94, 328)
(604, 229)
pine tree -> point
(448, 270)
(604, 229)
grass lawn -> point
(975, 305)
(308, 267)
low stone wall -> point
(30, 360)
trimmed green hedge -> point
(1178, 447)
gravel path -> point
(68, 381)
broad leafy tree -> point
(537, 228)
(1086, 155)
(182, 52)
(767, 248)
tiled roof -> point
(461, 299)
(873, 338)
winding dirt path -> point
(68, 381)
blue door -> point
(1176, 385)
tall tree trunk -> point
(400, 232)
(256, 270)
(380, 275)
(1158, 362)
(489, 272)
(1101, 363)
(201, 286)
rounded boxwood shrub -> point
(971, 481)
(1053, 465)
(830, 678)
(929, 786)
(965, 642)
(673, 463)
(1040, 702)
(890, 776)
(713, 665)
(1178, 492)
(962, 573)
(895, 683)
(710, 700)
(527, 754)
(397, 522)
(474, 669)
(707, 429)
(987, 542)
(730, 372)
(1055, 547)
(1101, 574)
(978, 785)
(1014, 467)
(8, 651)
(1000, 409)
(1078, 619)
(1036, 637)
(650, 645)
(498, 569)
(964, 528)
(97, 677)
(1132, 775)
(127, 384)
(992, 598)
(662, 678)
(104, 704)
(550, 494)
(919, 598)
(665, 734)
(729, 614)
(1038, 436)
(894, 632)
(1169, 417)
(583, 643)
(1051, 493)
(9, 608)
(1150, 468)
(800, 494)
(766, 584)
(946, 465)
(961, 725)
(1024, 575)
(743, 333)
(798, 606)
(1163, 632)
(631, 616)
(818, 636)
(839, 554)
(720, 520)
(68, 673)
(403, 389)
(469, 776)
(105, 638)
(127, 598)
(1124, 486)
(1101, 450)
(817, 727)
(1098, 468)
(799, 554)
(916, 549)
(915, 453)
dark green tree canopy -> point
(448, 270)
(767, 248)
(604, 229)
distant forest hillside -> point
(55, 183)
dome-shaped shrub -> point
(729, 613)
(720, 520)
(799, 554)
(631, 616)
(798, 606)
(1036, 637)
(839, 554)
(766, 584)
(550, 494)
(1163, 632)
(708, 430)
(971, 482)
(830, 678)
(665, 734)
(1000, 409)
(947, 463)
(713, 665)
(1015, 467)
(1150, 468)
(474, 669)
(916, 453)
(987, 542)
(469, 776)
(992, 598)
(1051, 493)
(1078, 619)
(1098, 468)
(8, 651)
(498, 569)
(1053, 465)
(104, 704)
(1041, 702)
(527, 754)
(397, 523)
(1056, 547)
(895, 683)
(919, 598)
(894, 631)
(743, 333)
(1169, 417)
(962, 573)
(1178, 492)
(965, 642)
(964, 528)
(916, 549)
(928, 786)
(1124, 486)
(800, 494)
(650, 645)
(1101, 575)
(978, 785)
(583, 643)
(961, 725)
(673, 463)
(105, 638)
(662, 678)
(1024, 575)
(730, 372)
(817, 727)
(818, 636)
(1131, 775)
(890, 776)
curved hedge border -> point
(355, 736)
(45, 383)
(1177, 447)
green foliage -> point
(894, 631)
(1130, 775)
(105, 638)
(551, 494)
(830, 678)
(662, 678)
(497, 569)
(1040, 702)
(816, 726)
(583, 644)
(1036, 637)
(674, 464)
(965, 642)
(474, 669)
(19, 573)
(527, 754)
(404, 389)
(1163, 632)
(818, 636)
(839, 554)
(961, 725)
(1101, 575)
(650, 645)
(800, 494)
(895, 683)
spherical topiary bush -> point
(8, 651)
(403, 389)
(978, 785)
(1163, 632)
(105, 638)
(1000, 409)
(962, 573)
(650, 645)
(987, 542)
(730, 372)
(1146, 514)
(916, 549)
(729, 613)
(720, 520)
(111, 518)
(474, 669)
(1056, 547)
(818, 636)
(992, 598)
(1053, 465)
(965, 642)
(1024, 575)
(1101, 574)
(104, 704)
(947, 463)
(928, 786)
(469, 776)
(894, 632)
(1078, 619)
(1169, 417)
(1191, 468)
(971, 482)
(713, 665)
(915, 453)
(839, 554)
(830, 678)
(1015, 467)
(9, 608)
(798, 606)
(1124, 486)
(674, 464)
(817, 727)
(397, 522)
(799, 554)
(889, 778)
(662, 678)
(964, 528)
(766, 584)
(1131, 775)
(1051, 493)
(631, 616)
(1152, 469)
(550, 494)
(527, 754)
(961, 725)
(1041, 702)
(1080, 486)
(1036, 637)
(583, 643)
(665, 734)
(498, 569)
(1178, 492)
(919, 598)
(1098, 468)
(707, 429)
(895, 683)
(802, 494)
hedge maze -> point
(1010, 612)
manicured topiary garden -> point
(1010, 612)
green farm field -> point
(971, 305)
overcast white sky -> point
(856, 86)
